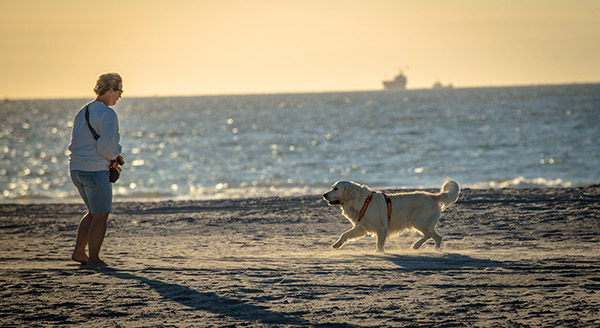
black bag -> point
(113, 172)
(114, 175)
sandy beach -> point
(509, 258)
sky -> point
(57, 49)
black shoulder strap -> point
(87, 119)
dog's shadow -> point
(429, 263)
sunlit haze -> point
(56, 49)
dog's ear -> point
(350, 191)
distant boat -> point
(439, 85)
(398, 83)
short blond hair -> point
(106, 82)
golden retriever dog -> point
(419, 210)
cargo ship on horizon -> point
(398, 83)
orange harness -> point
(368, 200)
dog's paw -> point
(380, 250)
(338, 244)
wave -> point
(254, 192)
(123, 194)
(522, 182)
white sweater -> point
(88, 154)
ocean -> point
(238, 146)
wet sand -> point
(509, 258)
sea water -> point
(209, 147)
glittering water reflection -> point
(262, 145)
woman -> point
(89, 162)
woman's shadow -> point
(217, 304)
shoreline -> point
(510, 257)
(183, 199)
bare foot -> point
(97, 263)
(81, 258)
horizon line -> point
(258, 93)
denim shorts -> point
(95, 189)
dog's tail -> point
(448, 194)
